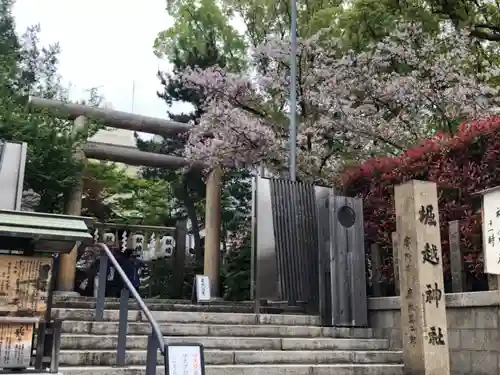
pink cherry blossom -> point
(351, 106)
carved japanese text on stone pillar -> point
(421, 275)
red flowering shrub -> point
(461, 166)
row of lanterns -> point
(157, 247)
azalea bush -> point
(461, 165)
(351, 106)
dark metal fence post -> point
(40, 345)
(56, 346)
(101, 287)
(122, 328)
(151, 355)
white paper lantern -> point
(138, 245)
(167, 245)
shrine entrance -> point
(148, 245)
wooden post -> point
(423, 311)
(67, 265)
(376, 272)
(456, 261)
(212, 230)
(395, 263)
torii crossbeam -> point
(128, 155)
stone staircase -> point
(236, 341)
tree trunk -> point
(193, 217)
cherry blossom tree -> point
(351, 105)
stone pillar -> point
(212, 230)
(456, 258)
(67, 263)
(395, 263)
(423, 311)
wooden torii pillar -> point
(131, 156)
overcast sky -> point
(105, 44)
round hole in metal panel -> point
(346, 216)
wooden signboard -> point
(24, 285)
(491, 231)
(15, 345)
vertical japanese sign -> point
(423, 312)
(491, 231)
(24, 285)
(202, 288)
(15, 345)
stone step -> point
(101, 342)
(238, 357)
(217, 301)
(166, 305)
(293, 369)
(190, 317)
(188, 329)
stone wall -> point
(473, 329)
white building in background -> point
(118, 137)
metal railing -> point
(155, 339)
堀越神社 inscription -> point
(423, 312)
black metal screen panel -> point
(295, 230)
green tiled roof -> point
(44, 226)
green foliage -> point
(236, 201)
(110, 193)
(236, 275)
(26, 68)
(161, 279)
(360, 22)
(197, 21)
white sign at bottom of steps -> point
(203, 288)
(184, 359)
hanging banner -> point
(15, 345)
(24, 285)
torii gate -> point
(131, 156)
